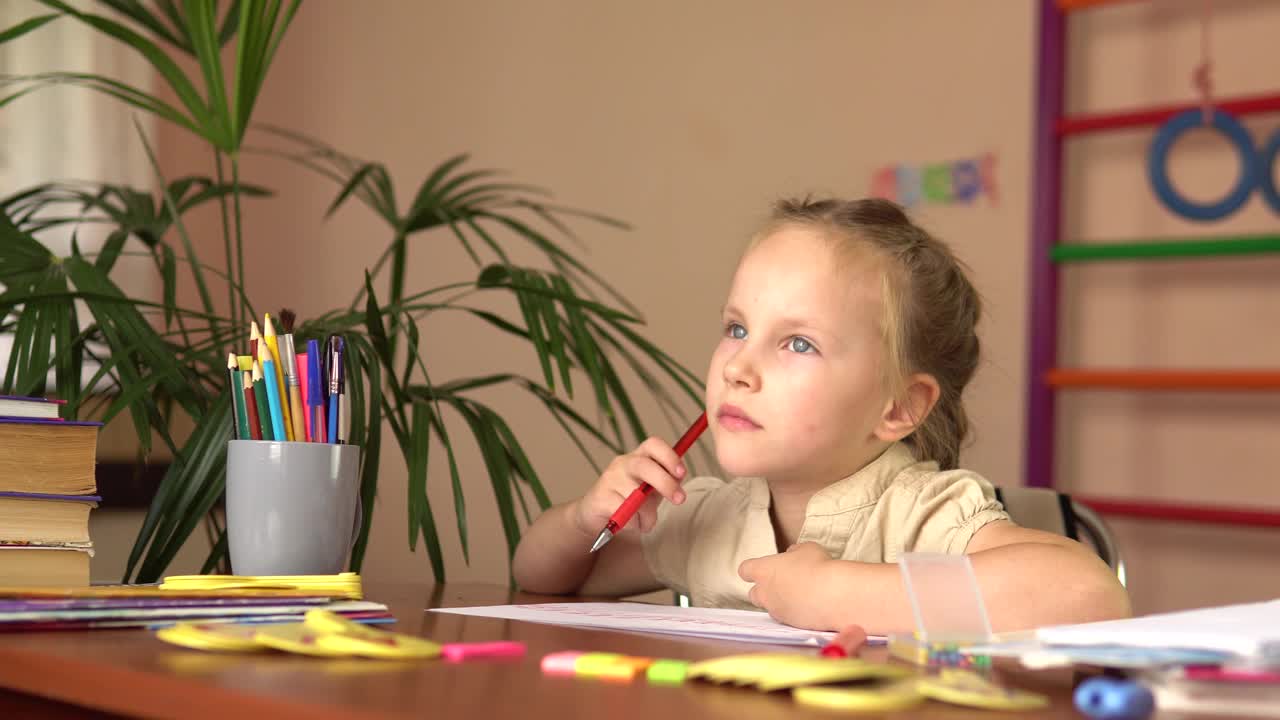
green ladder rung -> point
(1196, 247)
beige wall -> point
(687, 119)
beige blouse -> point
(895, 504)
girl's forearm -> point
(867, 594)
(1024, 585)
(1030, 585)
(550, 557)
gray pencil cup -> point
(291, 506)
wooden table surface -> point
(130, 672)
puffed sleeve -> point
(948, 508)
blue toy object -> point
(1107, 698)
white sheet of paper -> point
(710, 623)
(1250, 630)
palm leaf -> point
(200, 24)
(137, 12)
(520, 461)
(555, 338)
(190, 487)
(365, 434)
(586, 348)
(163, 64)
(260, 32)
(420, 514)
(413, 359)
(196, 269)
(497, 466)
(104, 85)
(26, 26)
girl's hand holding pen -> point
(654, 462)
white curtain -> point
(73, 133)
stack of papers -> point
(1249, 631)
(708, 623)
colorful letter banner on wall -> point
(960, 182)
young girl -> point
(834, 397)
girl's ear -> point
(903, 415)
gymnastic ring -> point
(1158, 157)
(1266, 171)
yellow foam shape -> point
(961, 687)
(741, 669)
(204, 636)
(778, 671)
(822, 671)
(345, 584)
(296, 638)
(872, 697)
(286, 580)
(340, 634)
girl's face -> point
(795, 387)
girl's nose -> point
(741, 372)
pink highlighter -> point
(457, 652)
(302, 380)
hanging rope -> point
(1202, 77)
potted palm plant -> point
(163, 362)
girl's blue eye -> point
(737, 332)
(799, 345)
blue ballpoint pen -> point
(336, 351)
(315, 389)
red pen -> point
(622, 515)
(847, 643)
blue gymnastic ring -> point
(1266, 171)
(1158, 158)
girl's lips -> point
(734, 419)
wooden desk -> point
(129, 672)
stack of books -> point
(47, 488)
(206, 599)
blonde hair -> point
(931, 308)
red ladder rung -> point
(1205, 514)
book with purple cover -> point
(10, 607)
(6, 420)
(45, 519)
(50, 496)
(363, 617)
(30, 407)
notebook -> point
(1250, 630)
(26, 615)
